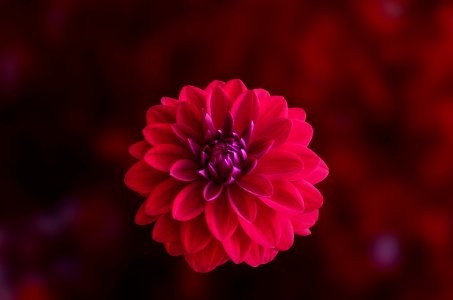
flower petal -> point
(169, 101)
(161, 114)
(193, 95)
(243, 203)
(212, 190)
(286, 198)
(189, 203)
(207, 259)
(185, 170)
(142, 218)
(218, 106)
(259, 147)
(266, 229)
(220, 217)
(184, 133)
(142, 178)
(174, 248)
(139, 149)
(319, 173)
(276, 129)
(268, 255)
(166, 229)
(312, 197)
(245, 110)
(161, 199)
(160, 133)
(287, 236)
(256, 184)
(213, 84)
(195, 235)
(315, 170)
(189, 116)
(261, 93)
(162, 157)
(301, 133)
(279, 164)
(237, 245)
(297, 113)
(303, 222)
(234, 88)
(258, 255)
(272, 107)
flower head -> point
(227, 175)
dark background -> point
(376, 80)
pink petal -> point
(303, 222)
(174, 248)
(319, 173)
(301, 133)
(166, 229)
(218, 106)
(189, 203)
(243, 203)
(195, 235)
(161, 114)
(245, 110)
(161, 199)
(212, 190)
(286, 198)
(169, 101)
(279, 164)
(139, 149)
(256, 184)
(296, 113)
(287, 237)
(194, 147)
(276, 129)
(189, 116)
(313, 199)
(160, 133)
(184, 133)
(268, 255)
(249, 165)
(162, 157)
(261, 93)
(237, 246)
(272, 107)
(213, 84)
(315, 170)
(207, 259)
(141, 218)
(193, 95)
(254, 256)
(259, 147)
(185, 170)
(234, 88)
(220, 217)
(258, 255)
(265, 230)
(142, 178)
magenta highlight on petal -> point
(228, 175)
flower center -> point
(223, 157)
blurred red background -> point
(376, 80)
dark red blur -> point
(376, 80)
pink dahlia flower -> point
(227, 175)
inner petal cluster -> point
(223, 157)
